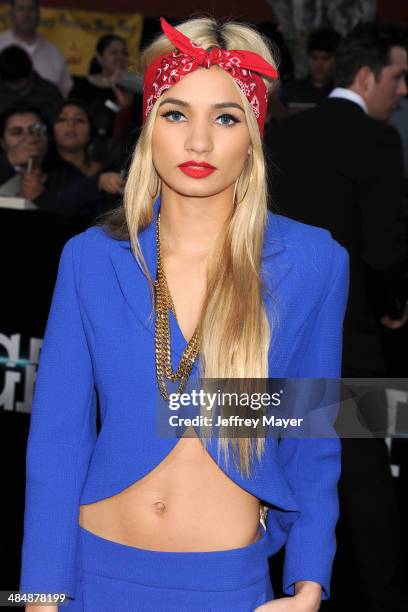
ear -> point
(365, 79)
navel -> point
(159, 507)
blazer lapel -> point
(130, 276)
(135, 289)
(134, 285)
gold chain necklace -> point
(164, 304)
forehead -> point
(22, 120)
(72, 109)
(205, 86)
(116, 45)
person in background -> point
(24, 142)
(46, 57)
(339, 166)
(305, 93)
(76, 185)
(72, 134)
(111, 58)
(20, 84)
(100, 92)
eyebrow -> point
(186, 104)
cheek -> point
(12, 141)
(84, 132)
(234, 156)
(163, 147)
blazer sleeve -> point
(61, 438)
(312, 465)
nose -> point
(199, 139)
(403, 89)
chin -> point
(194, 188)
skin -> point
(382, 94)
(168, 509)
(17, 142)
(321, 67)
(24, 20)
(19, 146)
(114, 58)
(72, 132)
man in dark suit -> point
(339, 166)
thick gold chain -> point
(164, 304)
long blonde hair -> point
(233, 315)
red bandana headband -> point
(243, 66)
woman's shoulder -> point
(296, 235)
(95, 241)
(309, 250)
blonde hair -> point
(233, 315)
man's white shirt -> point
(349, 94)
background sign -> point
(76, 32)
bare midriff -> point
(186, 503)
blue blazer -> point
(99, 342)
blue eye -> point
(227, 119)
(173, 116)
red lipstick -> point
(196, 169)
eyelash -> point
(174, 112)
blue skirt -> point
(116, 577)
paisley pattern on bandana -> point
(167, 70)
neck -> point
(27, 37)
(190, 225)
(356, 90)
(76, 158)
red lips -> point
(196, 169)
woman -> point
(75, 185)
(72, 133)
(100, 92)
(24, 144)
(168, 523)
(111, 59)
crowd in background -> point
(65, 141)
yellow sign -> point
(76, 32)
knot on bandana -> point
(245, 67)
